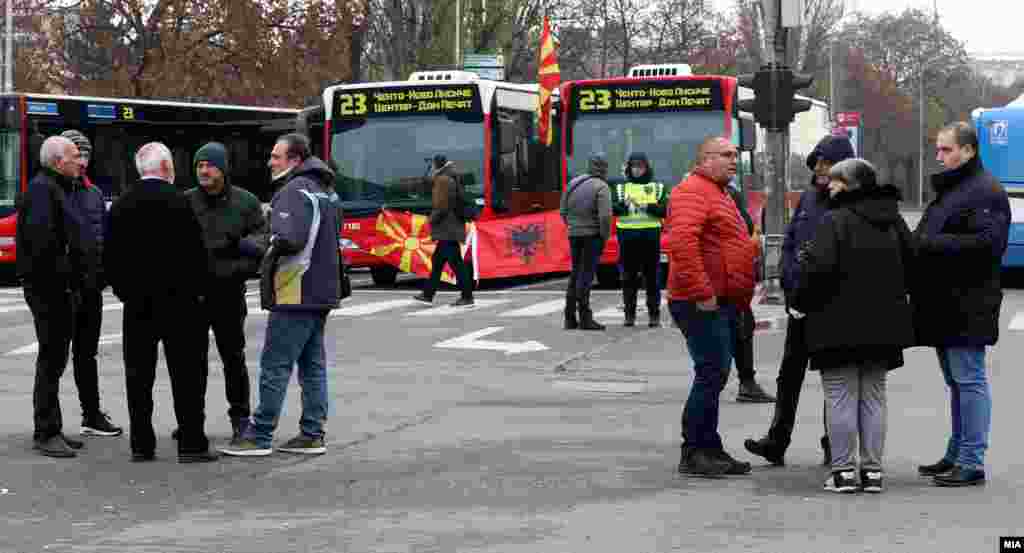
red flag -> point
(548, 76)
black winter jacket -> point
(855, 283)
(154, 246)
(961, 240)
(56, 243)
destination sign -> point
(411, 100)
(688, 95)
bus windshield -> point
(384, 162)
(670, 140)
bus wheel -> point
(384, 275)
(608, 276)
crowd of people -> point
(179, 261)
(860, 288)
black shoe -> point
(630, 319)
(768, 449)
(198, 457)
(54, 446)
(703, 462)
(143, 457)
(826, 449)
(423, 298)
(961, 477)
(464, 302)
(73, 443)
(175, 434)
(752, 392)
(98, 424)
(736, 468)
(942, 467)
(871, 481)
(655, 321)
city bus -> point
(665, 111)
(117, 127)
(381, 136)
(1001, 147)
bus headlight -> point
(347, 244)
(6, 241)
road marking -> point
(1018, 322)
(105, 340)
(473, 341)
(443, 310)
(537, 309)
(371, 308)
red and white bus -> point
(117, 127)
(380, 137)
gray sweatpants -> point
(855, 397)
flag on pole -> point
(548, 76)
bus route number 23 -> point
(352, 104)
(591, 100)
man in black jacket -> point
(799, 235)
(961, 240)
(55, 258)
(88, 201)
(155, 261)
(235, 233)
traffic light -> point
(774, 105)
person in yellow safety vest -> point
(640, 203)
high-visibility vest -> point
(642, 195)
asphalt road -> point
(493, 430)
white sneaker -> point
(841, 482)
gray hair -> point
(150, 156)
(855, 173)
(52, 150)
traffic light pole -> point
(777, 155)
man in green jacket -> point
(235, 233)
(639, 203)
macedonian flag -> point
(408, 246)
(548, 76)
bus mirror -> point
(748, 135)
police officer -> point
(640, 203)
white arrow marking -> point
(1018, 322)
(105, 340)
(451, 310)
(473, 341)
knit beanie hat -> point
(80, 140)
(213, 153)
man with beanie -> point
(799, 234)
(640, 203)
(87, 307)
(587, 210)
(235, 233)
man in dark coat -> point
(808, 215)
(88, 201)
(56, 259)
(448, 229)
(156, 263)
(961, 240)
(235, 232)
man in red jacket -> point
(712, 276)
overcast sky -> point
(985, 25)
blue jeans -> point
(970, 405)
(709, 339)
(292, 338)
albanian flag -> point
(405, 242)
(548, 76)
